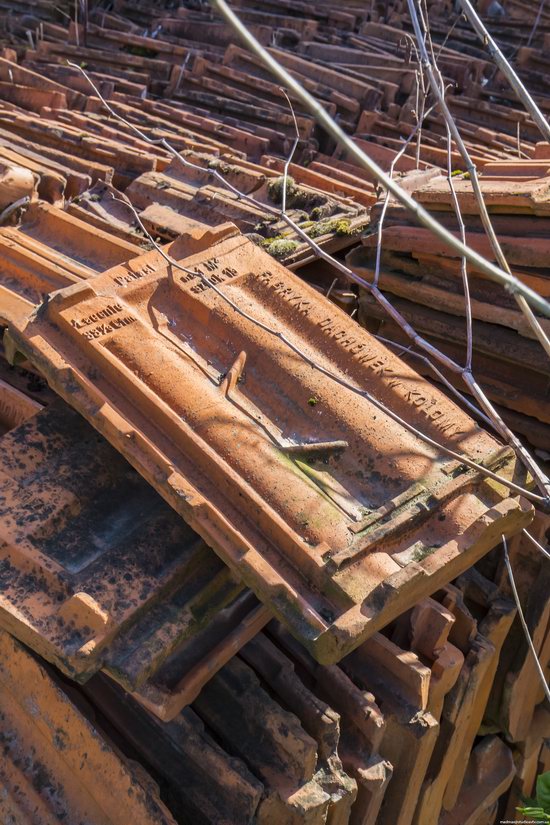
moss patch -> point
(279, 247)
(315, 204)
(339, 226)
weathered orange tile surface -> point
(96, 571)
(58, 767)
(50, 250)
(15, 407)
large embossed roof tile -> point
(57, 765)
(96, 568)
(292, 479)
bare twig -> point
(291, 153)
(463, 262)
(13, 207)
(380, 228)
(447, 36)
(524, 625)
(420, 104)
(536, 23)
(505, 67)
(403, 350)
(493, 272)
(420, 116)
(537, 544)
(76, 23)
(331, 287)
(471, 169)
(456, 207)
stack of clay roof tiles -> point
(234, 587)
(425, 283)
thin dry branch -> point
(380, 229)
(403, 350)
(536, 23)
(537, 544)
(524, 625)
(515, 82)
(463, 261)
(456, 205)
(421, 37)
(495, 273)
